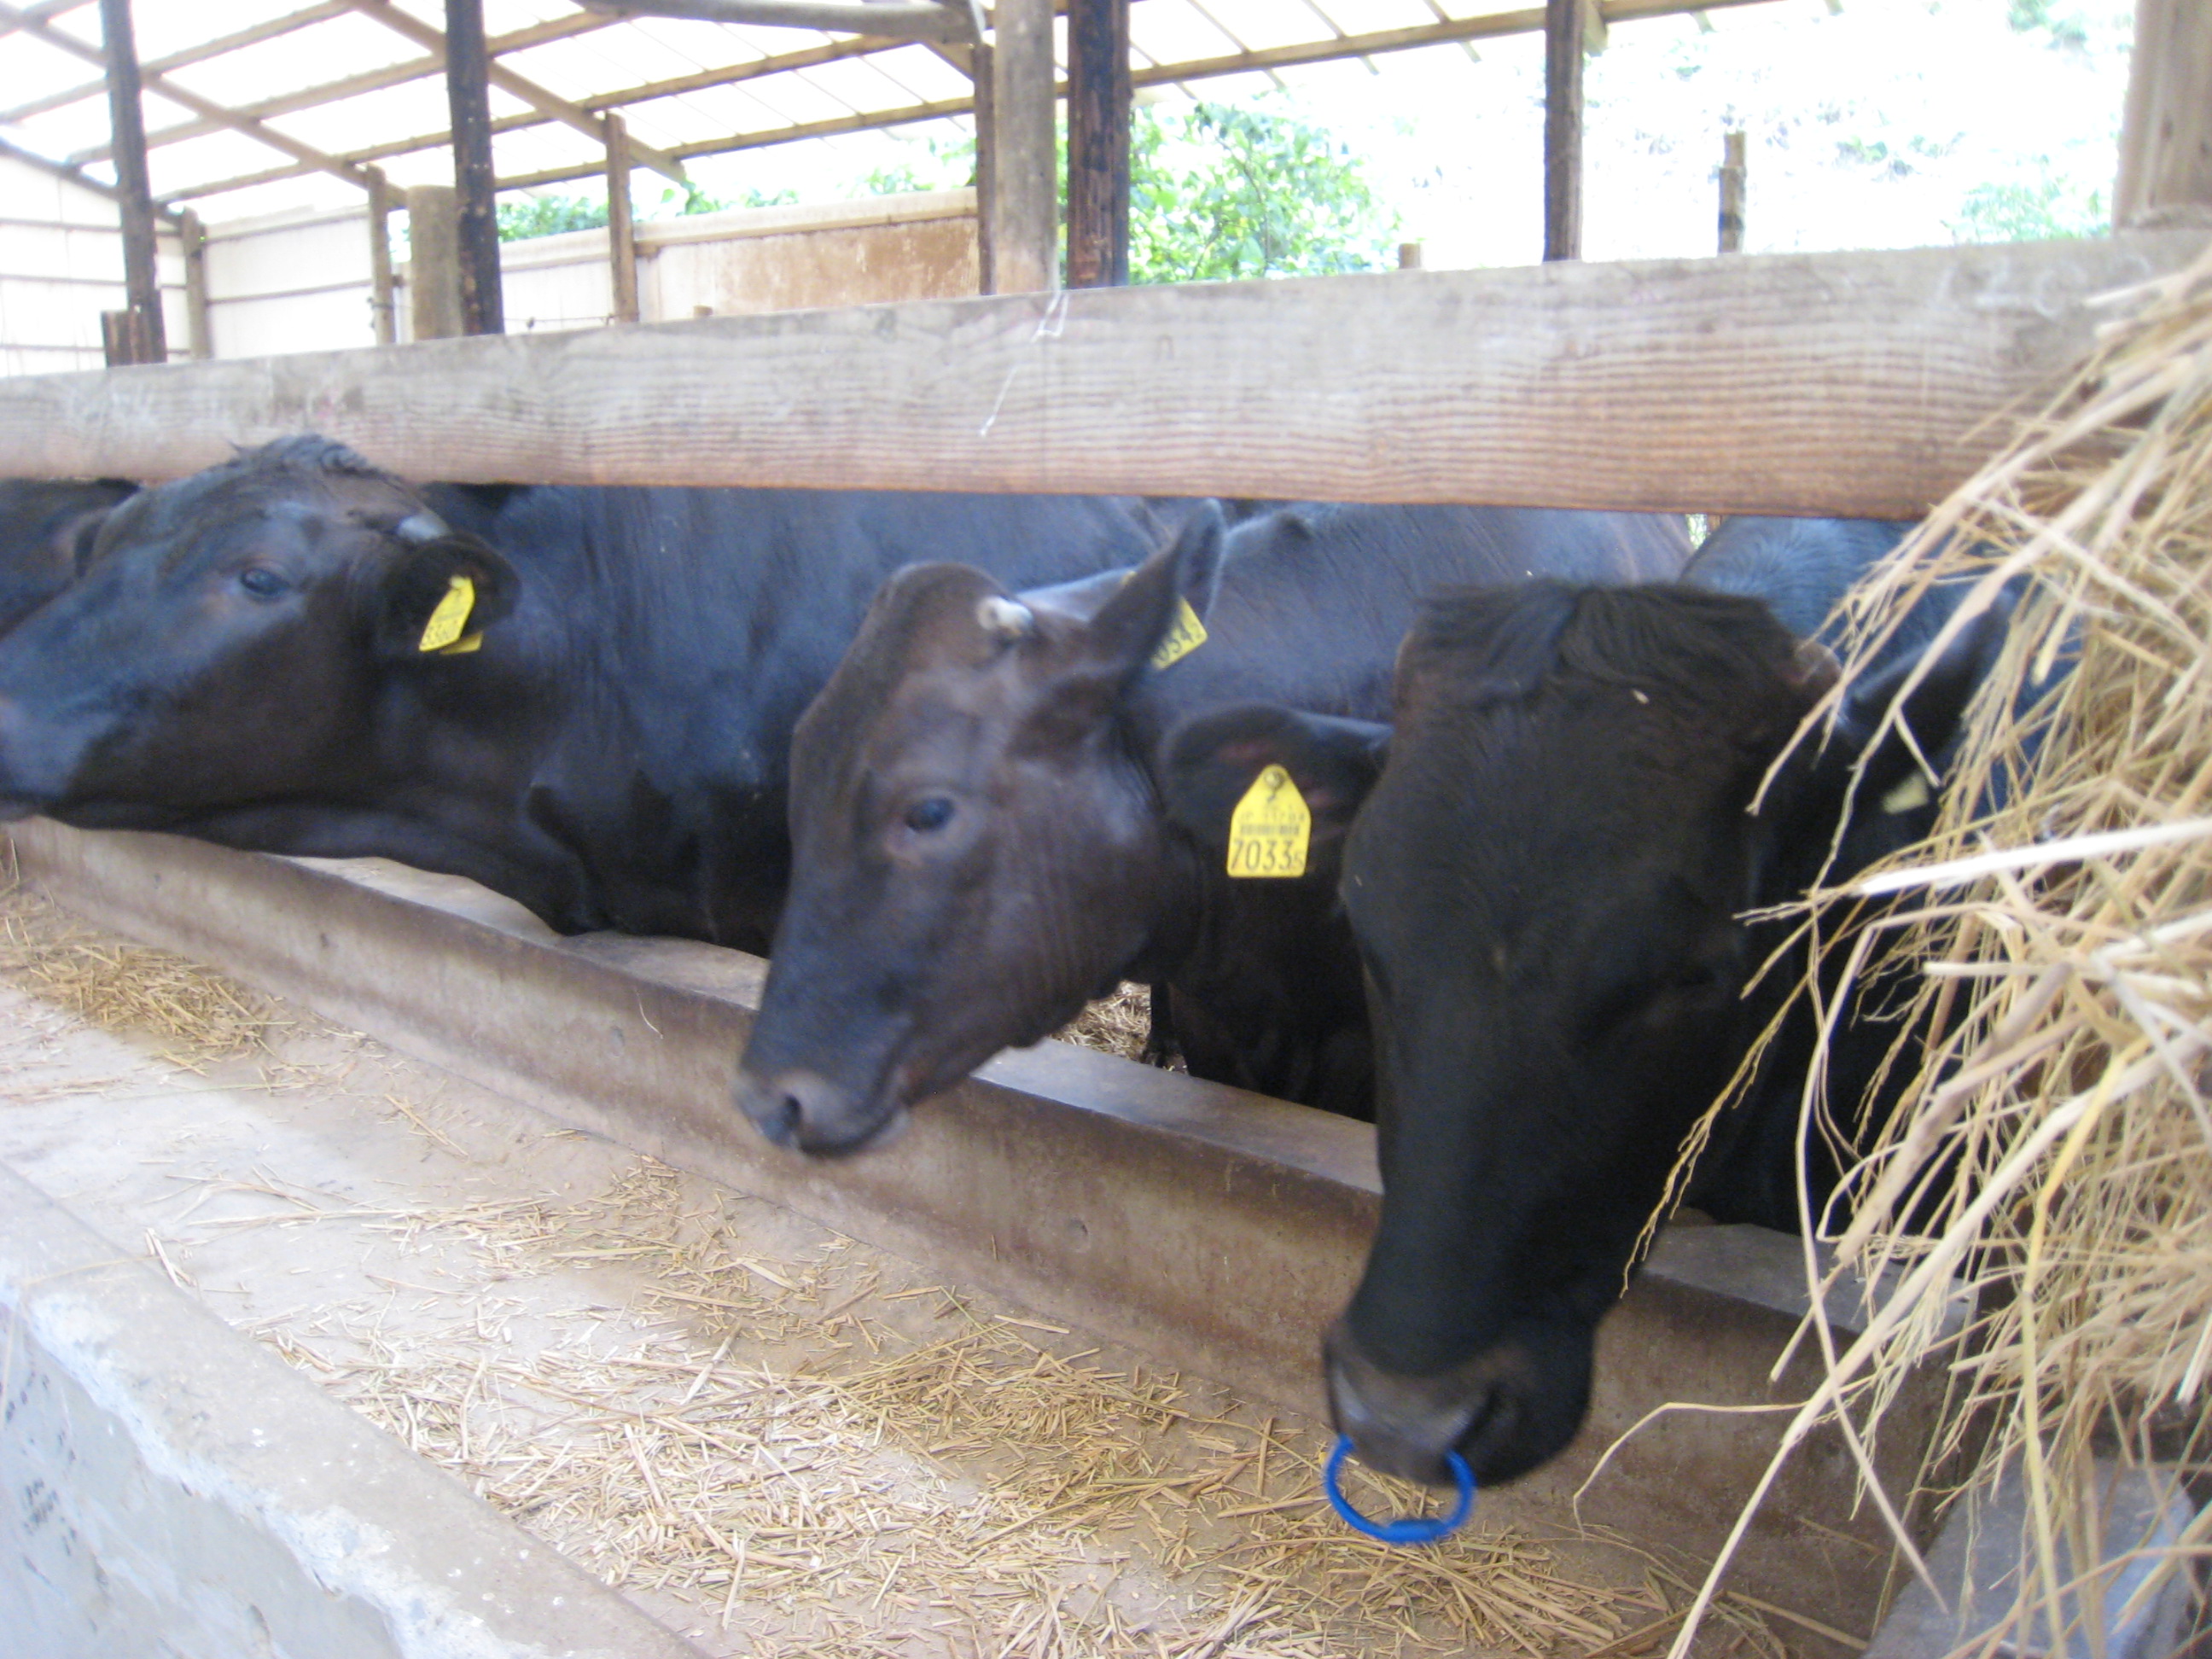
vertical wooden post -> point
(1099, 101)
(127, 125)
(434, 268)
(2166, 135)
(1025, 160)
(1564, 26)
(383, 313)
(1732, 169)
(191, 237)
(468, 91)
(1409, 256)
(621, 230)
(987, 167)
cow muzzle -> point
(808, 1112)
(1507, 1409)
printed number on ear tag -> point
(452, 616)
(1184, 636)
(1270, 828)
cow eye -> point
(932, 813)
(262, 582)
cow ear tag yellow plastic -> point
(448, 620)
(1184, 636)
(1270, 829)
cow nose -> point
(800, 1109)
(1401, 1426)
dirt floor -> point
(774, 1439)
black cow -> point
(46, 527)
(1546, 880)
(978, 842)
(596, 725)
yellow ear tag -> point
(452, 616)
(1184, 636)
(1269, 829)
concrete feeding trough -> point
(1215, 1229)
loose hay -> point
(968, 1492)
(2054, 1151)
(119, 986)
(1120, 1024)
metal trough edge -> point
(1216, 1230)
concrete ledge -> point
(2142, 1516)
(1217, 1230)
(175, 1489)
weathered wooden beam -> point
(984, 75)
(1563, 129)
(1856, 384)
(1489, 26)
(191, 239)
(550, 105)
(433, 262)
(1734, 174)
(40, 13)
(2166, 135)
(352, 86)
(142, 284)
(897, 19)
(383, 304)
(76, 176)
(621, 232)
(269, 30)
(574, 24)
(468, 94)
(1023, 207)
(1098, 100)
(316, 159)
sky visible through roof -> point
(1871, 123)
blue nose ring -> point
(1408, 1529)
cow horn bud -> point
(1004, 619)
(1815, 667)
(423, 526)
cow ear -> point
(1868, 741)
(1209, 763)
(1134, 624)
(440, 593)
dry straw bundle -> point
(2050, 1163)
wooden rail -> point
(1848, 384)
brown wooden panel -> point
(1847, 383)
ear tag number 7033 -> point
(1270, 828)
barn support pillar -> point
(1734, 171)
(1025, 208)
(1098, 100)
(468, 91)
(383, 313)
(1563, 29)
(621, 230)
(137, 335)
(2166, 138)
(433, 272)
(192, 238)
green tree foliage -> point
(550, 216)
(2044, 208)
(1227, 190)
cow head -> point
(1545, 877)
(976, 848)
(226, 638)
